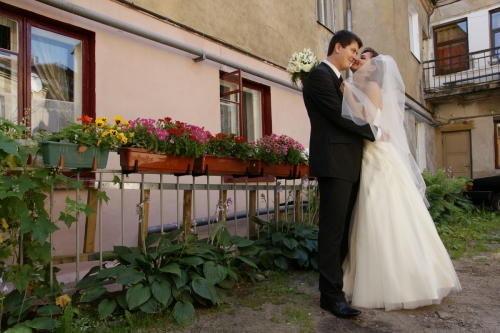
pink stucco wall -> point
(140, 78)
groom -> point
(336, 147)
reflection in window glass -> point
(9, 38)
(56, 80)
(8, 86)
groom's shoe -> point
(340, 309)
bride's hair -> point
(371, 50)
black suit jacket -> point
(336, 143)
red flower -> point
(85, 120)
(168, 119)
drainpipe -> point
(349, 16)
(420, 112)
(200, 53)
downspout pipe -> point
(200, 53)
(420, 112)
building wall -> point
(391, 35)
(272, 30)
(479, 107)
(478, 22)
(140, 78)
(481, 128)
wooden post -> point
(186, 211)
(223, 213)
(143, 226)
(91, 222)
(298, 206)
(252, 207)
(276, 206)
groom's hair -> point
(345, 38)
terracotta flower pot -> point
(140, 159)
(301, 170)
(213, 165)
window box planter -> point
(140, 159)
(213, 165)
(301, 170)
(73, 156)
(260, 168)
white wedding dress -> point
(396, 259)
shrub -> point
(446, 196)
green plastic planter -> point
(73, 159)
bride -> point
(396, 259)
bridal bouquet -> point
(300, 65)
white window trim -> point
(414, 31)
(324, 9)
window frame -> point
(26, 21)
(265, 92)
(436, 29)
(413, 26)
(493, 31)
(322, 15)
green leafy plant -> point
(167, 272)
(284, 243)
(446, 196)
(25, 226)
(229, 145)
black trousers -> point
(337, 198)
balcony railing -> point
(471, 69)
(153, 202)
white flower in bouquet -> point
(300, 64)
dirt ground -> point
(290, 303)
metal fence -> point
(462, 70)
(162, 203)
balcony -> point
(471, 73)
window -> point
(252, 117)
(495, 35)
(451, 48)
(414, 31)
(324, 13)
(46, 70)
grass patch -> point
(472, 232)
(300, 317)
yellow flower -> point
(105, 134)
(131, 134)
(127, 124)
(63, 300)
(100, 122)
(118, 120)
(105, 119)
(4, 224)
(124, 140)
(113, 132)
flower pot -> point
(261, 168)
(213, 165)
(301, 170)
(140, 159)
(73, 155)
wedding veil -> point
(378, 85)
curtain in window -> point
(56, 59)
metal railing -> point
(468, 69)
(144, 202)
